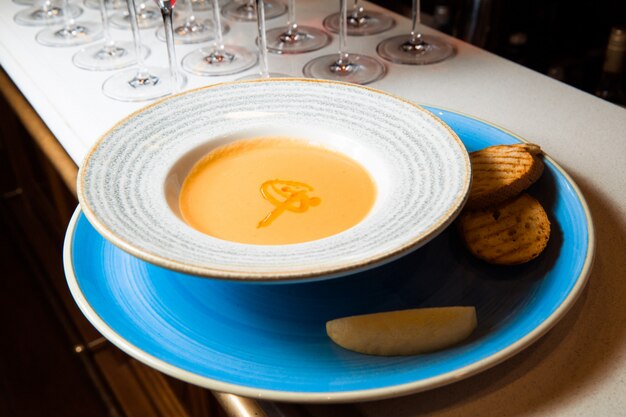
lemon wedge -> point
(403, 332)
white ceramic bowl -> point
(129, 183)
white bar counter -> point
(579, 367)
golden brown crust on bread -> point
(503, 171)
(509, 233)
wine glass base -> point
(259, 76)
(306, 39)
(127, 86)
(360, 69)
(110, 5)
(102, 57)
(197, 32)
(147, 18)
(37, 16)
(242, 11)
(401, 50)
(370, 23)
(79, 34)
(204, 5)
(211, 62)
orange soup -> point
(273, 191)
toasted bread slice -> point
(503, 171)
(512, 232)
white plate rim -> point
(308, 274)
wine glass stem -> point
(357, 10)
(260, 15)
(218, 43)
(344, 58)
(190, 16)
(142, 71)
(166, 11)
(415, 21)
(292, 26)
(68, 22)
(108, 41)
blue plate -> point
(269, 341)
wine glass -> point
(71, 33)
(109, 54)
(219, 59)
(263, 65)
(142, 83)
(178, 80)
(361, 22)
(147, 17)
(415, 48)
(46, 12)
(245, 10)
(190, 28)
(295, 39)
(354, 68)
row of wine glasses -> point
(218, 58)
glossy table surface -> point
(579, 368)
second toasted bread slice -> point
(503, 171)
(508, 233)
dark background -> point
(565, 39)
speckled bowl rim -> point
(308, 274)
(357, 395)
